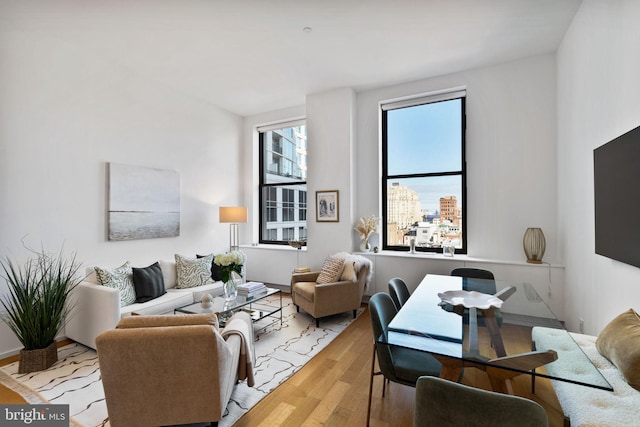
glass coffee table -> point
(257, 306)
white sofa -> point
(96, 308)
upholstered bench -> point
(582, 405)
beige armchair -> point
(320, 300)
(166, 370)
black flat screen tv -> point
(616, 173)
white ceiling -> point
(252, 56)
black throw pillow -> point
(148, 282)
(216, 272)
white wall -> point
(598, 93)
(511, 136)
(330, 118)
(330, 164)
(64, 113)
(511, 158)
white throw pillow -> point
(120, 278)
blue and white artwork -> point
(144, 203)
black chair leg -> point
(373, 365)
(533, 371)
(355, 313)
(297, 309)
(317, 322)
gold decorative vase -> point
(534, 245)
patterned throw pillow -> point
(331, 270)
(216, 270)
(193, 271)
(120, 278)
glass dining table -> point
(466, 322)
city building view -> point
(284, 188)
(407, 220)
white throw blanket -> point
(357, 262)
(240, 324)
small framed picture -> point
(327, 206)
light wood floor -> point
(332, 389)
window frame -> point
(386, 178)
(262, 186)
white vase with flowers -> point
(365, 226)
(230, 264)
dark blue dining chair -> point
(398, 291)
(486, 286)
(397, 364)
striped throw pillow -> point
(331, 270)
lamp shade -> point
(233, 214)
(534, 245)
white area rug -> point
(280, 352)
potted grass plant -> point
(35, 308)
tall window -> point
(423, 177)
(283, 186)
(288, 204)
(302, 205)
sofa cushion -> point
(164, 304)
(619, 342)
(306, 290)
(213, 288)
(148, 282)
(193, 271)
(120, 278)
(331, 270)
(216, 270)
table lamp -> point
(233, 215)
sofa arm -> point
(94, 309)
(311, 276)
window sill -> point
(456, 258)
(273, 247)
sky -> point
(426, 139)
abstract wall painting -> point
(144, 203)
